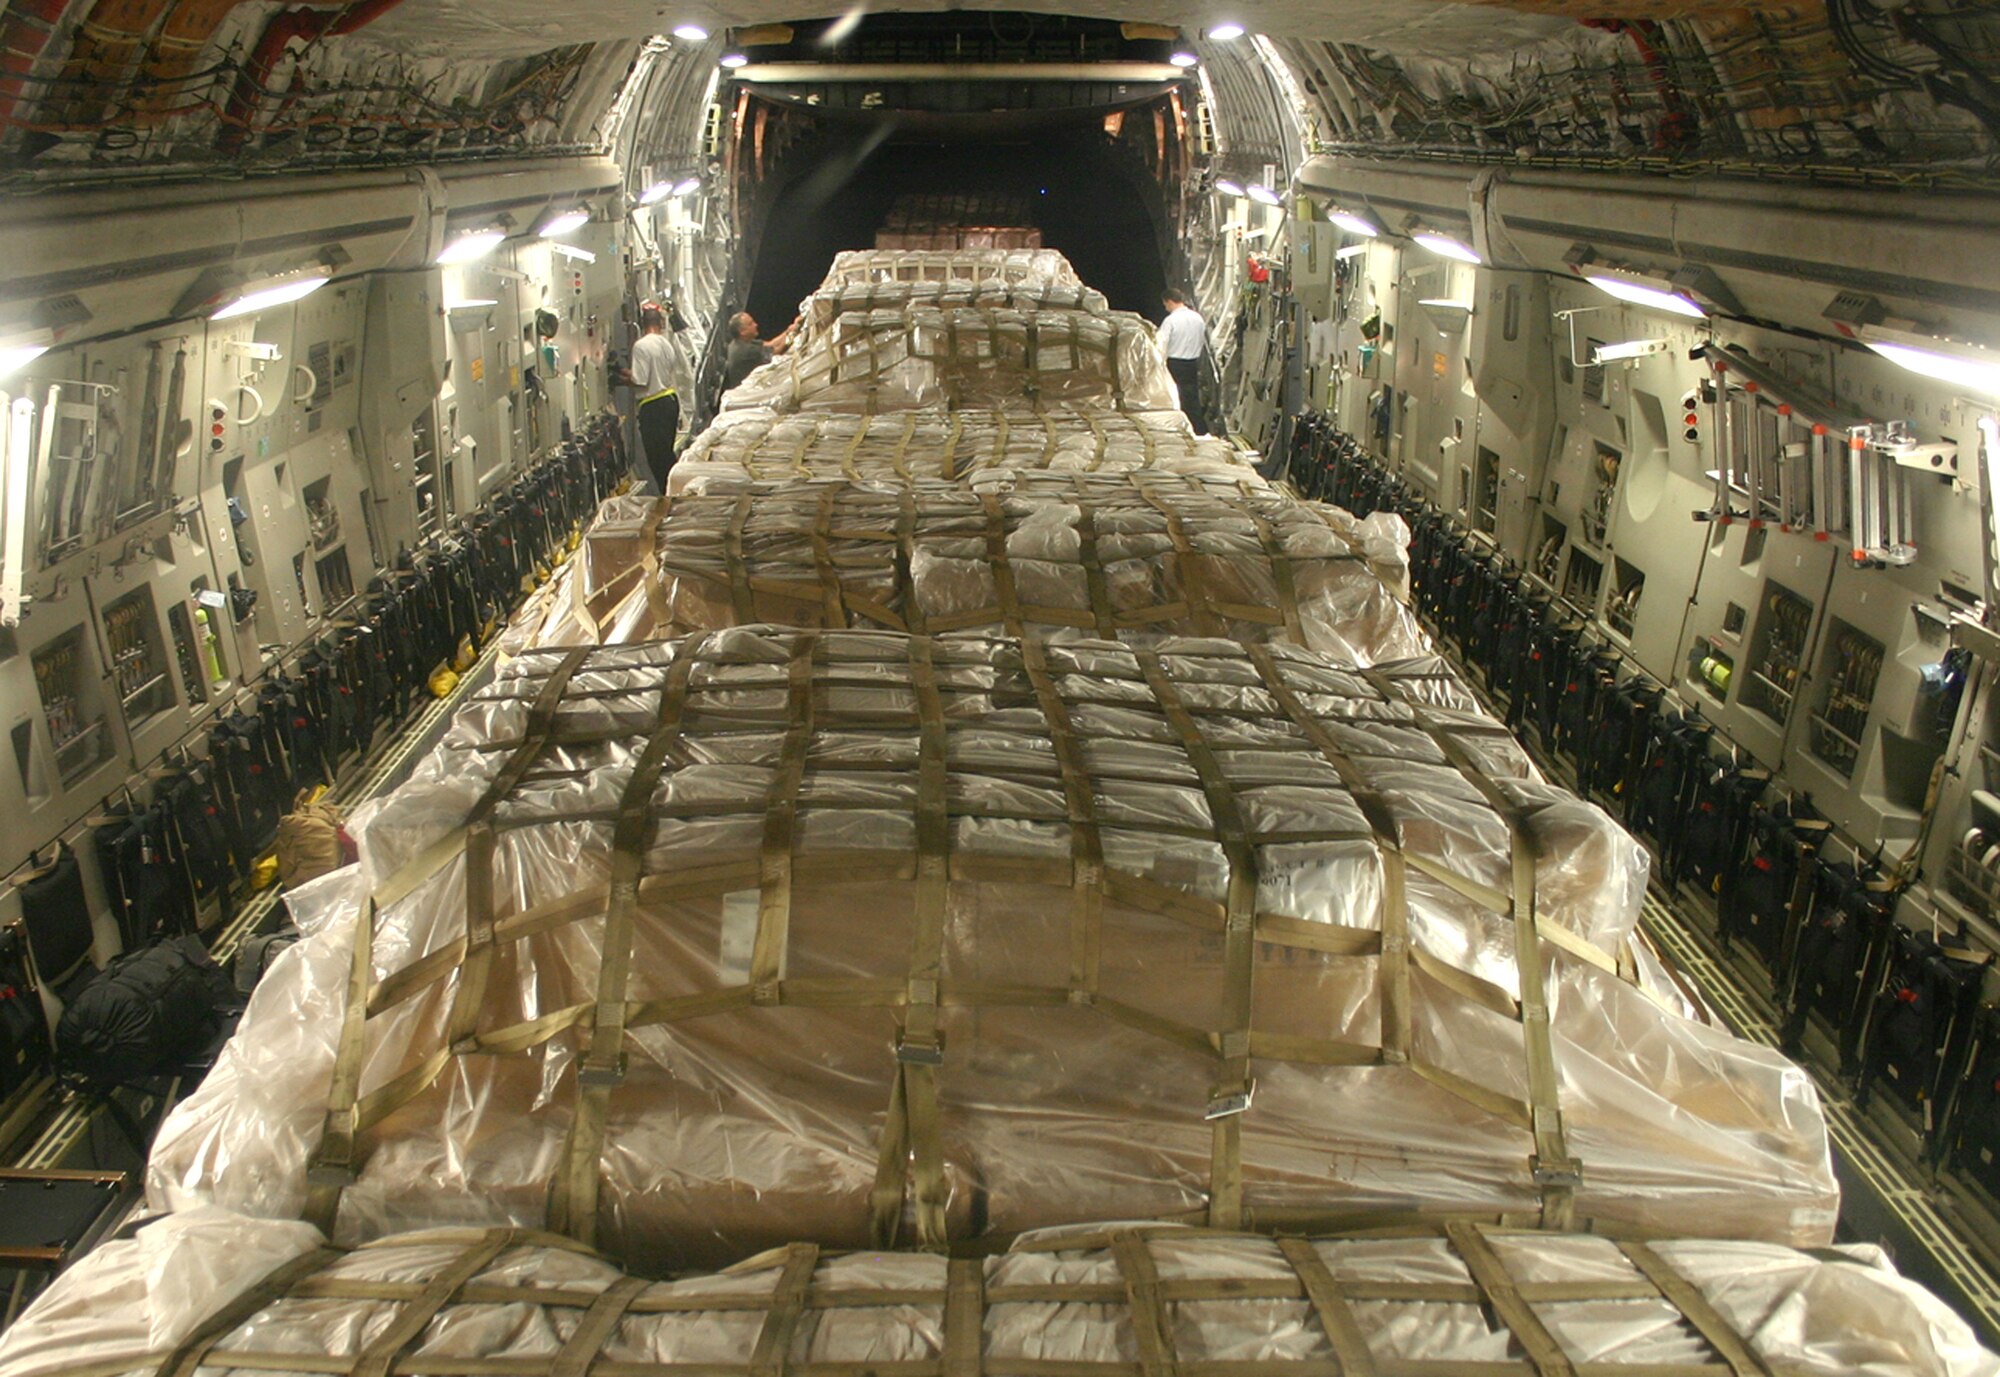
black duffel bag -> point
(146, 1011)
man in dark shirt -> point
(747, 353)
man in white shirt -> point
(655, 378)
(1183, 337)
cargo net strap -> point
(1227, 718)
(914, 445)
(1436, 1301)
(1183, 557)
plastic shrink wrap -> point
(691, 949)
(980, 448)
(915, 357)
(1109, 1301)
(1136, 556)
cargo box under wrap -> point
(916, 357)
(977, 448)
(1017, 266)
(242, 1296)
(854, 937)
(1125, 557)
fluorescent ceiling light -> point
(734, 60)
(1263, 195)
(471, 304)
(1227, 187)
(1183, 58)
(472, 246)
(572, 251)
(1447, 303)
(1639, 294)
(273, 291)
(685, 185)
(15, 357)
(656, 193)
(1225, 32)
(1445, 246)
(1350, 251)
(1968, 369)
(1627, 349)
(692, 33)
(565, 222)
(1352, 223)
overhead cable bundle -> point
(694, 948)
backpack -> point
(310, 842)
(143, 1012)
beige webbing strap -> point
(833, 604)
(1329, 1303)
(732, 554)
(1194, 583)
(1282, 575)
(573, 1207)
(906, 539)
(1495, 1283)
(649, 571)
(948, 461)
(1152, 1334)
(1395, 912)
(1099, 441)
(1003, 568)
(853, 447)
(415, 1315)
(587, 1341)
(331, 1167)
(1033, 360)
(1115, 361)
(1557, 1172)
(1695, 1308)
(470, 995)
(1086, 842)
(788, 1302)
(1093, 572)
(919, 1049)
(189, 1353)
(774, 854)
(1229, 1099)
(964, 1317)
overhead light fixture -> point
(1229, 188)
(472, 245)
(734, 60)
(472, 304)
(18, 351)
(1350, 251)
(1264, 196)
(691, 33)
(1959, 365)
(1225, 32)
(1353, 223)
(1640, 293)
(266, 292)
(571, 251)
(685, 185)
(1444, 246)
(556, 223)
(1183, 59)
(656, 193)
(1626, 349)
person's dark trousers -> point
(1187, 377)
(659, 422)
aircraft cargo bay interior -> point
(1229, 689)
